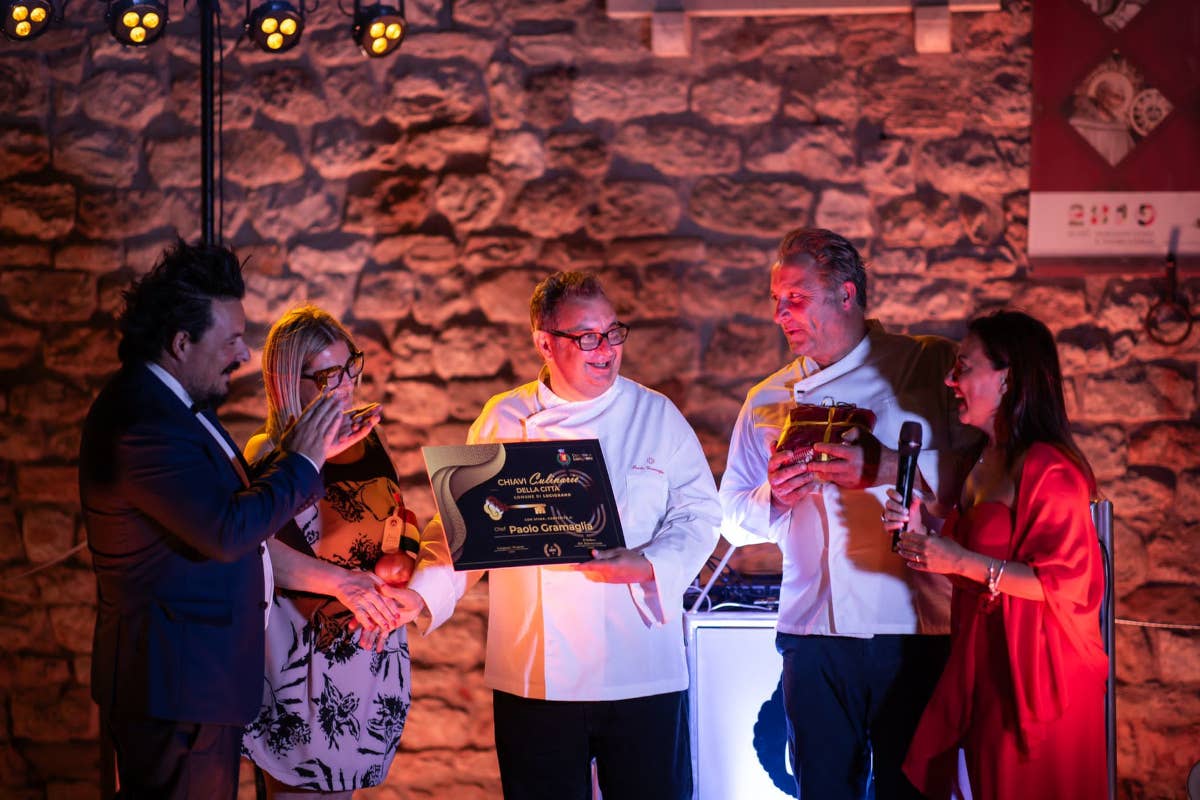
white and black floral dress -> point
(332, 712)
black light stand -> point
(208, 233)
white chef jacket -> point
(552, 633)
(840, 576)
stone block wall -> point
(421, 196)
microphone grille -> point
(910, 435)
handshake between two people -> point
(381, 600)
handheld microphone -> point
(908, 448)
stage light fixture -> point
(379, 29)
(137, 22)
(275, 25)
(26, 19)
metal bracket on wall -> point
(670, 29)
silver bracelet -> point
(994, 575)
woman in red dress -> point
(1022, 695)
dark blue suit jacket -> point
(176, 542)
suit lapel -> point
(146, 381)
(239, 462)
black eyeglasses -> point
(331, 377)
(615, 335)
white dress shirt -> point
(177, 389)
(552, 633)
(840, 576)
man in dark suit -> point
(176, 525)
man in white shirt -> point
(862, 637)
(587, 661)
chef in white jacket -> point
(587, 660)
(863, 637)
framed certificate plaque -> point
(517, 504)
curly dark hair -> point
(837, 259)
(555, 290)
(176, 296)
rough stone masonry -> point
(421, 196)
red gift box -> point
(808, 424)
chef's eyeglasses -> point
(331, 377)
(615, 335)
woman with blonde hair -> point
(335, 699)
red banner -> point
(1115, 163)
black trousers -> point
(852, 706)
(172, 760)
(641, 747)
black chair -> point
(1102, 517)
